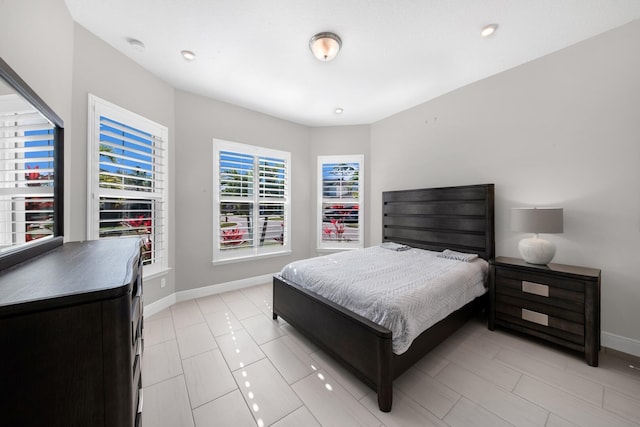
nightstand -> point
(558, 303)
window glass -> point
(251, 201)
(340, 196)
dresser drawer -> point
(136, 328)
(136, 350)
(138, 345)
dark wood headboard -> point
(456, 218)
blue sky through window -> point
(39, 150)
(133, 150)
(238, 166)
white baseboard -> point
(168, 301)
(157, 306)
(620, 343)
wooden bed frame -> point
(456, 218)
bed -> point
(455, 218)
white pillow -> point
(458, 256)
(394, 246)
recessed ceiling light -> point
(338, 110)
(188, 55)
(135, 44)
(488, 30)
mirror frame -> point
(24, 252)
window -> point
(251, 201)
(340, 197)
(26, 173)
(128, 174)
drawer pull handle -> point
(140, 400)
(535, 317)
(535, 288)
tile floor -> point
(222, 361)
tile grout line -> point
(243, 328)
(502, 346)
(193, 418)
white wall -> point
(100, 69)
(341, 140)
(36, 40)
(198, 121)
(562, 130)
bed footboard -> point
(362, 346)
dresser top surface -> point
(548, 268)
(72, 273)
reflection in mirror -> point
(29, 167)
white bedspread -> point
(405, 291)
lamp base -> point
(536, 251)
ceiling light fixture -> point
(325, 46)
(339, 110)
(136, 44)
(188, 55)
(488, 30)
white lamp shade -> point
(537, 220)
(325, 46)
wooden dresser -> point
(71, 337)
(556, 302)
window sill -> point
(250, 258)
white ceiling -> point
(395, 53)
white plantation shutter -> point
(251, 200)
(128, 168)
(340, 199)
(236, 200)
(26, 172)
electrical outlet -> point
(163, 282)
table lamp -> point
(535, 250)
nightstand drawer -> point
(540, 321)
(545, 290)
(541, 307)
(541, 278)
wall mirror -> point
(31, 172)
